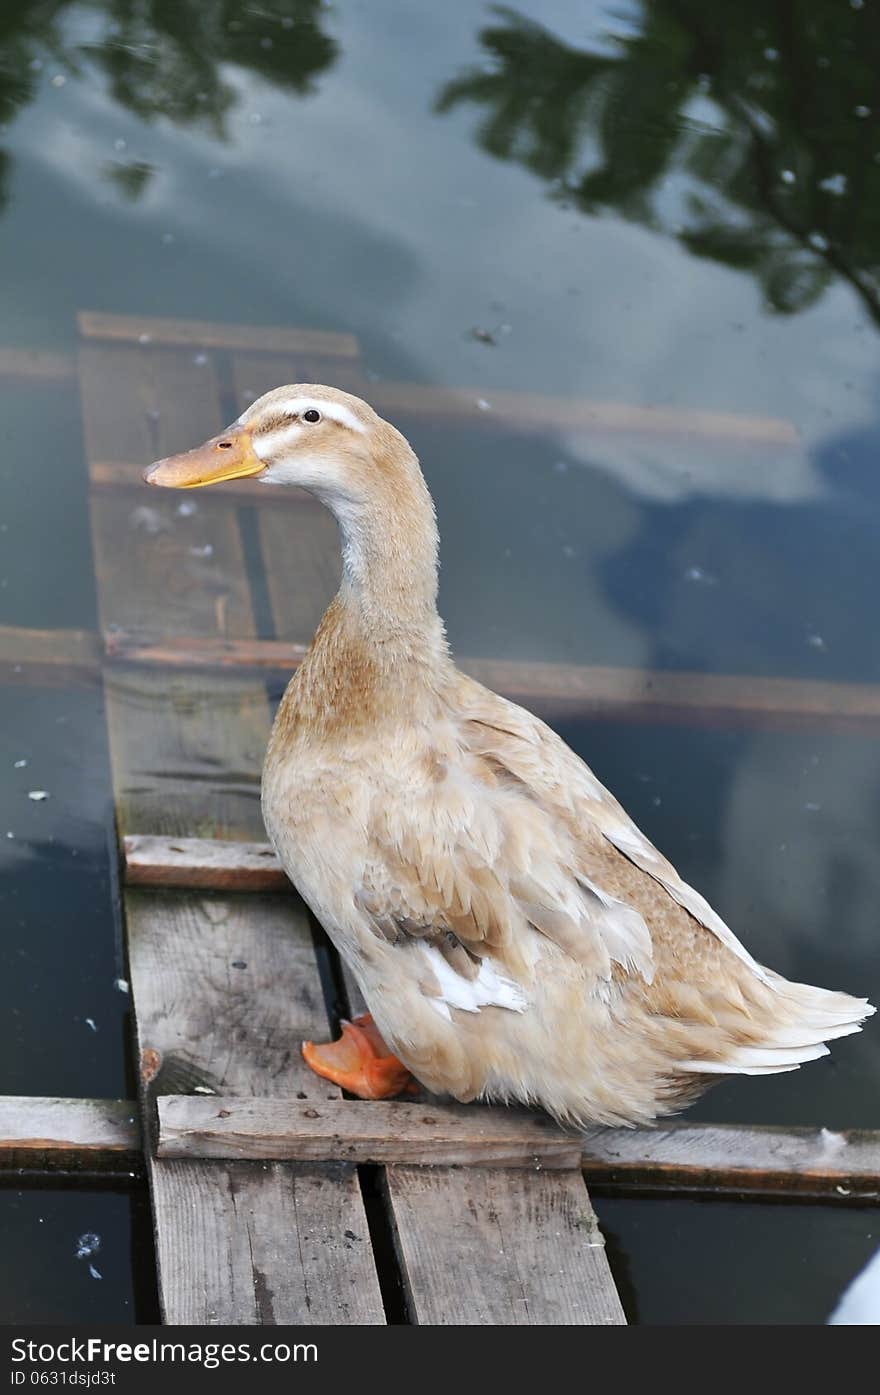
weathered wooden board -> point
(593, 691)
(375, 1132)
(761, 1161)
(222, 990)
(49, 657)
(485, 1246)
(208, 863)
(45, 365)
(45, 1134)
(530, 411)
(153, 330)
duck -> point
(516, 938)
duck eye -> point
(312, 415)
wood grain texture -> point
(90, 1135)
(714, 1158)
(154, 331)
(222, 989)
(225, 989)
(485, 1246)
(355, 1131)
(208, 863)
(224, 992)
(262, 1244)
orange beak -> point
(227, 457)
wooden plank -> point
(264, 1244)
(150, 330)
(187, 652)
(345, 1130)
(48, 657)
(500, 410)
(208, 863)
(86, 1135)
(222, 988)
(42, 365)
(725, 1158)
(224, 991)
(483, 1246)
(590, 690)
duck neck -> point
(388, 596)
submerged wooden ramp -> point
(226, 984)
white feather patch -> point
(335, 411)
(488, 989)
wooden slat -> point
(483, 1246)
(222, 989)
(152, 330)
(208, 863)
(48, 657)
(589, 690)
(345, 1130)
(42, 365)
(46, 1134)
(531, 411)
(725, 1158)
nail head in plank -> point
(506, 1248)
(153, 330)
(351, 1131)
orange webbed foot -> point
(359, 1061)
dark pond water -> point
(623, 203)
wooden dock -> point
(274, 1199)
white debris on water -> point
(19, 764)
(121, 985)
(87, 1245)
(483, 405)
(94, 1272)
(816, 641)
(90, 1022)
(38, 795)
(834, 184)
(206, 551)
(788, 176)
(187, 508)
